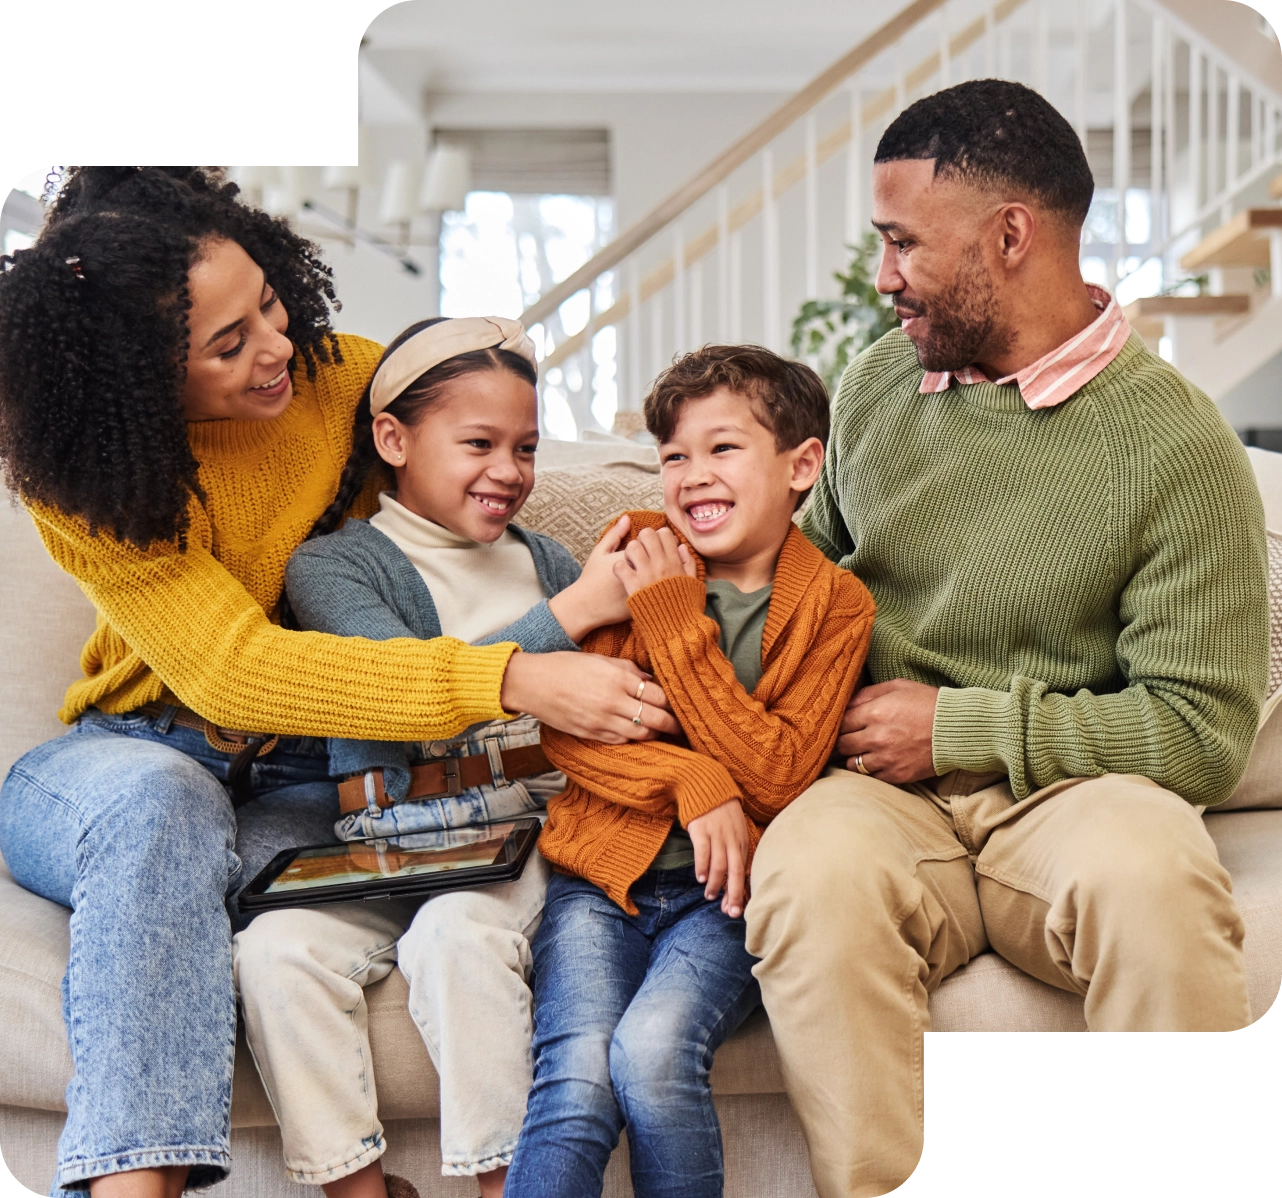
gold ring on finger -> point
(636, 719)
(640, 690)
(859, 765)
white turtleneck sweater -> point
(477, 588)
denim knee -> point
(91, 798)
(650, 1059)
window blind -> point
(535, 161)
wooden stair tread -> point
(1237, 242)
(1275, 187)
(1146, 316)
(1188, 305)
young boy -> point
(756, 640)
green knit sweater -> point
(1087, 583)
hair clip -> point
(74, 263)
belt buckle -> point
(453, 781)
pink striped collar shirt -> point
(1061, 373)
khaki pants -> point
(865, 896)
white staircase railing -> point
(1178, 135)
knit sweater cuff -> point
(972, 728)
(475, 679)
(668, 604)
(704, 785)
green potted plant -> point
(834, 331)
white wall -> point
(657, 141)
(1257, 401)
(379, 298)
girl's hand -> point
(654, 555)
(597, 597)
(720, 849)
(587, 695)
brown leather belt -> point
(226, 740)
(446, 776)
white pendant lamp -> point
(446, 181)
(400, 188)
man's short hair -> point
(995, 133)
(787, 397)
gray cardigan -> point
(358, 582)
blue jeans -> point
(628, 1010)
(125, 820)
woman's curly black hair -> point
(94, 340)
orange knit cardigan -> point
(763, 749)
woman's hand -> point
(597, 597)
(720, 849)
(587, 695)
(654, 555)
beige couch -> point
(43, 621)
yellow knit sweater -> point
(196, 627)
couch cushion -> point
(44, 622)
(986, 995)
(1250, 845)
(1261, 785)
(35, 1065)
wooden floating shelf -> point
(1241, 241)
(1147, 316)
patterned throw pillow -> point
(1275, 614)
(574, 504)
(1261, 785)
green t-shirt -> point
(741, 619)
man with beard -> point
(1066, 547)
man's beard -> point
(962, 319)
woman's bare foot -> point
(492, 1182)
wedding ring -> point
(859, 765)
(636, 719)
(640, 690)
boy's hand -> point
(597, 597)
(654, 555)
(720, 849)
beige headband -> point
(447, 339)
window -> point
(540, 209)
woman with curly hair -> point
(175, 413)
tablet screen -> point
(394, 857)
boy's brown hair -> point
(788, 398)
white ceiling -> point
(613, 45)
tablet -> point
(394, 866)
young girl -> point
(452, 410)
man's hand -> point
(889, 727)
(655, 554)
(720, 849)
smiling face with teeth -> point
(467, 462)
(730, 489)
(238, 362)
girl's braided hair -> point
(408, 407)
(94, 340)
